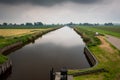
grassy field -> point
(110, 30)
(18, 32)
(10, 36)
(108, 58)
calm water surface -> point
(57, 49)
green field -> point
(10, 36)
(110, 30)
(108, 57)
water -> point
(57, 49)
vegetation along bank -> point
(108, 67)
(12, 39)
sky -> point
(59, 11)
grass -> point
(108, 58)
(114, 31)
(3, 59)
(10, 36)
(18, 32)
(88, 36)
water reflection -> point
(57, 49)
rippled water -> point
(57, 49)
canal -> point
(57, 49)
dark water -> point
(57, 49)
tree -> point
(97, 24)
(108, 24)
(5, 24)
(29, 24)
(38, 24)
(10, 24)
(21, 24)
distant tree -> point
(14, 24)
(38, 24)
(5, 24)
(10, 24)
(87, 24)
(21, 24)
(108, 24)
(80, 24)
(96, 24)
(29, 24)
(70, 24)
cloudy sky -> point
(59, 11)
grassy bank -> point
(10, 36)
(3, 59)
(110, 30)
(108, 59)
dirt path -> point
(114, 41)
(105, 45)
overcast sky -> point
(59, 11)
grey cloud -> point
(47, 2)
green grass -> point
(88, 37)
(114, 31)
(5, 41)
(3, 59)
(108, 59)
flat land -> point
(17, 32)
(108, 58)
(109, 30)
(10, 36)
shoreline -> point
(6, 66)
(20, 44)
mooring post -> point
(64, 74)
(52, 75)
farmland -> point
(10, 36)
(18, 32)
(110, 30)
(108, 57)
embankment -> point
(90, 57)
(21, 43)
(5, 67)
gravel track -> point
(114, 41)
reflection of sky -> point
(65, 36)
(57, 49)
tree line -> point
(89, 24)
(26, 24)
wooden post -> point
(52, 75)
